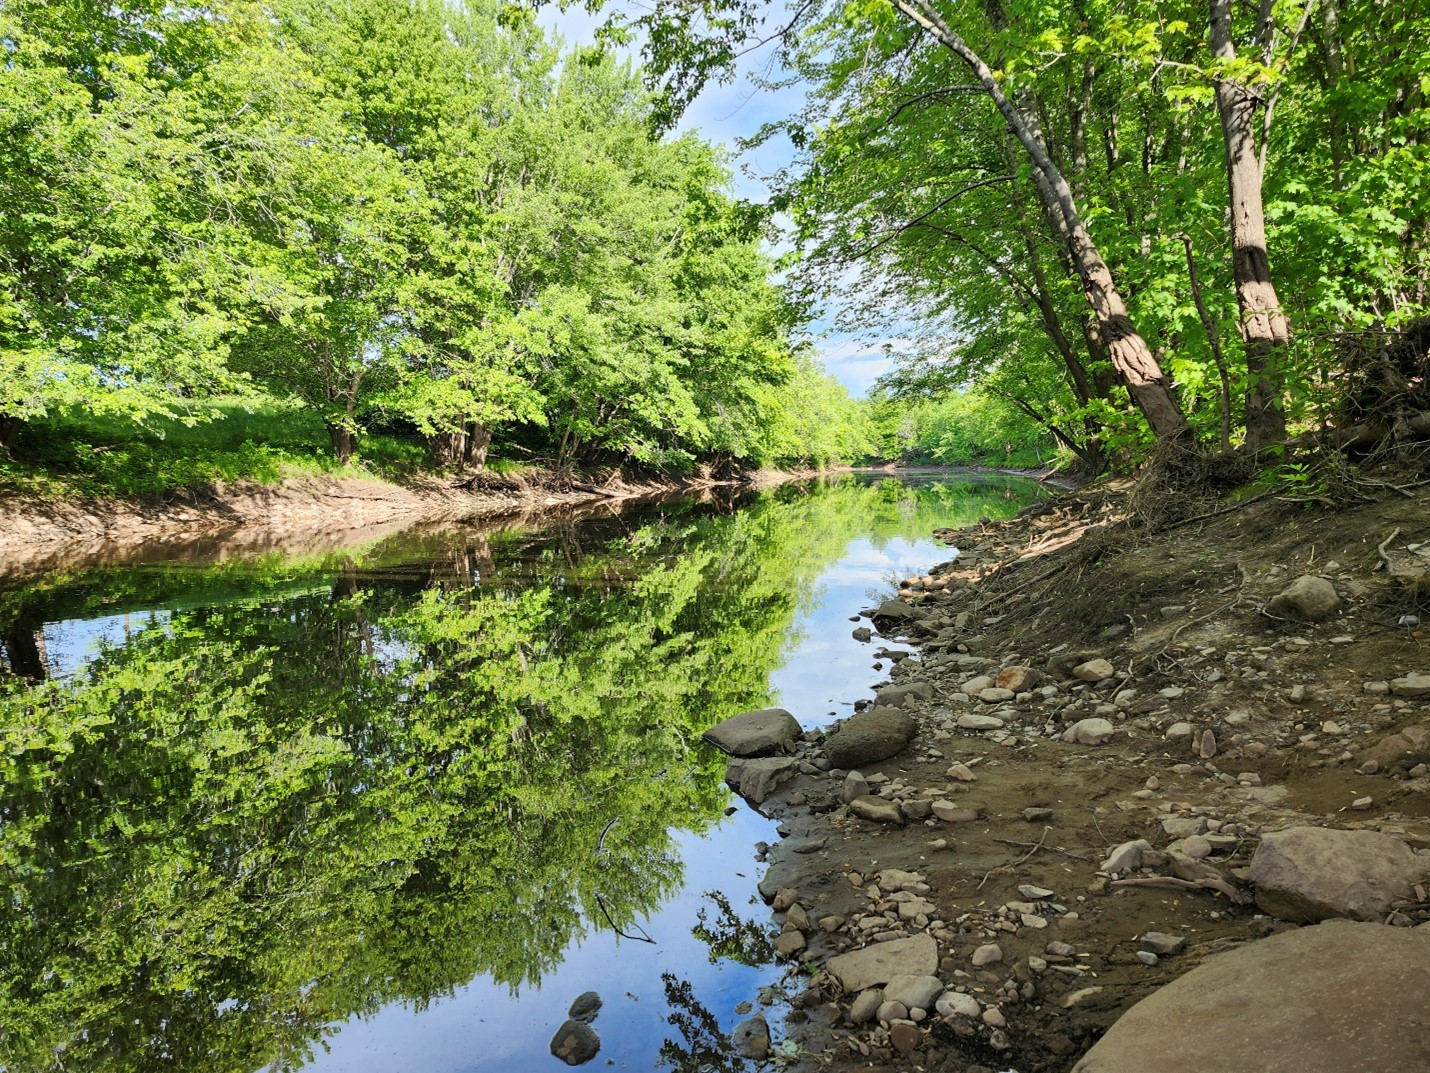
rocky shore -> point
(1127, 801)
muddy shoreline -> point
(309, 514)
(1064, 840)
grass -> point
(263, 440)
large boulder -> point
(1307, 597)
(757, 733)
(1409, 747)
(870, 736)
(1306, 874)
(1332, 998)
(880, 963)
(755, 779)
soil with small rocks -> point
(1108, 720)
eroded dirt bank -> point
(303, 514)
(1053, 808)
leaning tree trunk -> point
(1264, 328)
(1128, 351)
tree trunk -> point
(478, 440)
(448, 448)
(1128, 350)
(1264, 327)
(9, 429)
(344, 441)
(1214, 341)
(26, 651)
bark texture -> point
(1128, 351)
(1264, 327)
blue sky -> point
(725, 114)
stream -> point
(394, 807)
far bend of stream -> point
(392, 808)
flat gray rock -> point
(1335, 998)
(1306, 874)
(877, 809)
(757, 733)
(1412, 685)
(756, 779)
(870, 736)
(880, 963)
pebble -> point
(1147, 957)
(957, 1004)
(1162, 944)
(865, 1005)
(988, 954)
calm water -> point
(393, 808)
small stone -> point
(789, 943)
(1147, 957)
(957, 1004)
(1178, 730)
(1196, 847)
(865, 1006)
(980, 722)
(1094, 670)
(863, 633)
(1153, 783)
(988, 954)
(1089, 732)
(915, 992)
(1018, 679)
(993, 1018)
(1361, 804)
(1037, 815)
(892, 1011)
(994, 695)
(948, 812)
(1162, 944)
(1027, 890)
(905, 1036)
(1207, 749)
(855, 785)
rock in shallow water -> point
(575, 1042)
(751, 1038)
(757, 733)
(1334, 998)
(757, 779)
(870, 736)
(585, 1007)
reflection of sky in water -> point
(481, 1028)
(72, 643)
(827, 670)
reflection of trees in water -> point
(332, 783)
(702, 1047)
(731, 936)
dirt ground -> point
(1281, 710)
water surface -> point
(394, 807)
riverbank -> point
(1104, 756)
(39, 534)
